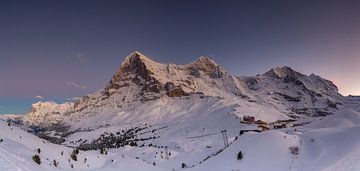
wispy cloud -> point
(39, 97)
(73, 99)
(73, 84)
(81, 57)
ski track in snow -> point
(11, 162)
(351, 161)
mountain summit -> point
(135, 64)
(157, 79)
(281, 72)
(207, 66)
(138, 64)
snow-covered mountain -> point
(280, 93)
(158, 116)
(13, 117)
(45, 114)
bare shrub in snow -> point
(76, 151)
(74, 155)
(240, 155)
(103, 151)
(55, 163)
(36, 159)
(295, 150)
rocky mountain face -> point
(162, 79)
(141, 81)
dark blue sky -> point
(61, 49)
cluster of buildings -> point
(264, 126)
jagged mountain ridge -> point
(173, 80)
(295, 92)
(141, 80)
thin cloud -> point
(81, 57)
(73, 84)
(39, 97)
(73, 99)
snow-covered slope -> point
(17, 148)
(352, 102)
(331, 143)
(328, 143)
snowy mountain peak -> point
(136, 65)
(208, 66)
(136, 62)
(205, 60)
(157, 79)
(281, 72)
(134, 56)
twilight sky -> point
(61, 49)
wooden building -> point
(249, 119)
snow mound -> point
(264, 151)
(342, 118)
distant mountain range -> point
(280, 93)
